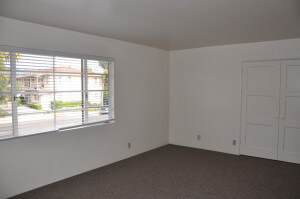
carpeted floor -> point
(180, 172)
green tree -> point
(4, 75)
(4, 78)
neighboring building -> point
(37, 85)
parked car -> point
(104, 110)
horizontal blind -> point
(41, 93)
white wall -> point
(141, 111)
(205, 94)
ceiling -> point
(166, 24)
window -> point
(42, 91)
(36, 97)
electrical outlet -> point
(198, 137)
(129, 145)
(234, 142)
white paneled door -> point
(289, 125)
(260, 109)
(270, 124)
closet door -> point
(289, 126)
(260, 109)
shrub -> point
(69, 104)
(2, 112)
(35, 106)
(56, 103)
(19, 101)
(94, 104)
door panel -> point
(261, 78)
(289, 125)
(292, 74)
(260, 109)
(291, 140)
(292, 108)
(258, 136)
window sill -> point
(111, 121)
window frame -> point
(84, 90)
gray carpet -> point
(180, 172)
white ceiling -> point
(166, 24)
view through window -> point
(41, 93)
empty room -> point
(150, 99)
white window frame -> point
(84, 58)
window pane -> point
(97, 82)
(68, 109)
(97, 114)
(34, 102)
(34, 77)
(97, 66)
(34, 112)
(34, 82)
(98, 101)
(67, 82)
(4, 73)
(98, 109)
(67, 74)
(68, 104)
(68, 100)
(6, 128)
(5, 82)
(97, 75)
(95, 98)
(67, 65)
(35, 122)
(5, 115)
(34, 64)
(4, 61)
(68, 118)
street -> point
(41, 121)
